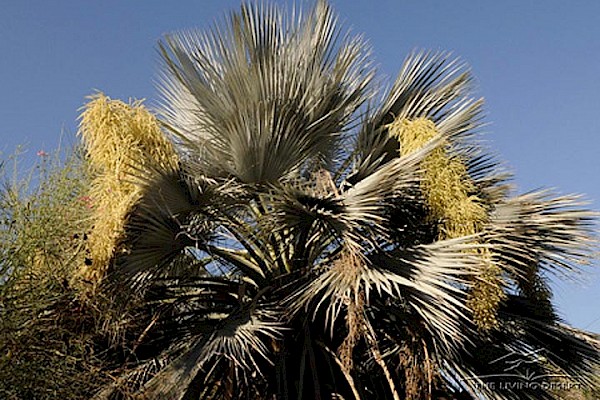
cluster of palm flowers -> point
(309, 234)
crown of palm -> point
(313, 240)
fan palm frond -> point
(538, 229)
(166, 220)
(430, 85)
(234, 349)
(264, 96)
(430, 280)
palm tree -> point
(322, 238)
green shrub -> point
(46, 331)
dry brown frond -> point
(349, 265)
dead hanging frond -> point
(373, 342)
(118, 138)
(349, 263)
(456, 208)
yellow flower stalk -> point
(118, 139)
(448, 190)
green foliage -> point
(46, 351)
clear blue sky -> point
(537, 64)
